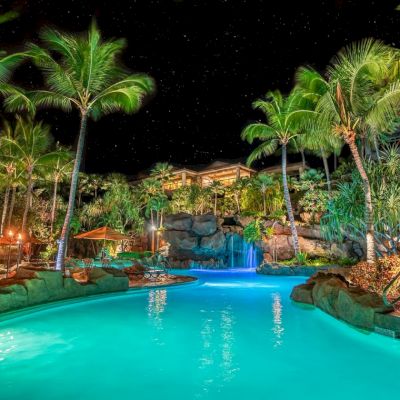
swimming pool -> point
(235, 335)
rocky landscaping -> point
(334, 294)
(206, 241)
(34, 286)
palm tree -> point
(30, 148)
(216, 188)
(163, 172)
(263, 182)
(82, 72)
(281, 129)
(358, 97)
(60, 170)
(236, 189)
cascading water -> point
(242, 254)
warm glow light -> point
(153, 228)
(10, 233)
(19, 237)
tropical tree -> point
(163, 172)
(216, 188)
(263, 182)
(30, 148)
(82, 72)
(281, 129)
(59, 171)
(236, 190)
(358, 97)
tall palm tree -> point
(60, 170)
(359, 96)
(281, 129)
(30, 147)
(82, 72)
(319, 141)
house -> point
(220, 171)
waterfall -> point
(242, 254)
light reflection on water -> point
(278, 328)
(7, 344)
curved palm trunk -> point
(72, 194)
(53, 207)
(288, 203)
(12, 204)
(327, 173)
(5, 208)
(303, 158)
(28, 201)
(369, 211)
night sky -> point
(210, 59)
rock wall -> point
(334, 295)
(210, 242)
(203, 241)
(31, 287)
(279, 246)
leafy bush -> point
(302, 258)
(253, 232)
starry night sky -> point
(210, 59)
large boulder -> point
(204, 225)
(213, 245)
(178, 222)
(303, 293)
(326, 292)
(358, 307)
(182, 244)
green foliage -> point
(345, 217)
(254, 231)
(302, 258)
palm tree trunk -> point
(152, 231)
(28, 201)
(12, 204)
(376, 148)
(5, 208)
(288, 203)
(158, 232)
(237, 203)
(369, 211)
(72, 194)
(327, 173)
(264, 202)
(53, 207)
(303, 158)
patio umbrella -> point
(104, 233)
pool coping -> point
(22, 312)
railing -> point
(386, 291)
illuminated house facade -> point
(224, 172)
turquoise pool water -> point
(235, 335)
